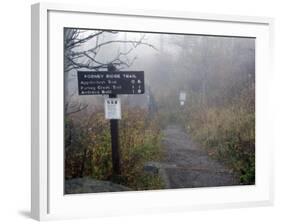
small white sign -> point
(182, 96)
(112, 108)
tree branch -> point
(77, 110)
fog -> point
(207, 67)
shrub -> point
(89, 151)
(228, 133)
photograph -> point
(157, 111)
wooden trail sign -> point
(110, 82)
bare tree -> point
(75, 58)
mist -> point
(207, 66)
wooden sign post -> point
(114, 131)
(111, 83)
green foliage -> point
(139, 138)
(228, 133)
(101, 157)
(140, 142)
(78, 143)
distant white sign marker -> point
(182, 98)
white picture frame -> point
(47, 198)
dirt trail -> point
(185, 165)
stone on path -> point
(89, 185)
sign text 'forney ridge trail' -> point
(104, 82)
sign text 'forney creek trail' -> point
(105, 83)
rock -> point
(151, 168)
(89, 185)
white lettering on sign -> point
(112, 108)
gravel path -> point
(187, 166)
